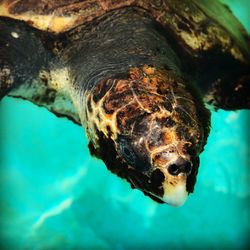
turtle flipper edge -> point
(231, 92)
(21, 54)
(30, 71)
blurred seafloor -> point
(55, 196)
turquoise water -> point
(55, 196)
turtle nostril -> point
(183, 167)
(173, 169)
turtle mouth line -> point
(172, 195)
(177, 201)
(176, 198)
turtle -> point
(140, 76)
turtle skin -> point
(136, 74)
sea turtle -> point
(135, 73)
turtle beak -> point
(174, 182)
(175, 195)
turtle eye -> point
(128, 154)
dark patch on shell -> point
(140, 157)
(183, 133)
(101, 89)
(108, 128)
(115, 101)
(128, 116)
(157, 178)
(162, 88)
(169, 122)
(165, 122)
(167, 105)
(108, 108)
(189, 149)
(156, 139)
(141, 125)
(89, 106)
(183, 116)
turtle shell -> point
(197, 26)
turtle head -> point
(150, 130)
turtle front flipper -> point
(22, 54)
(30, 70)
(213, 46)
(231, 92)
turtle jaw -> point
(161, 188)
(170, 184)
(175, 195)
(174, 187)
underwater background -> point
(53, 195)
